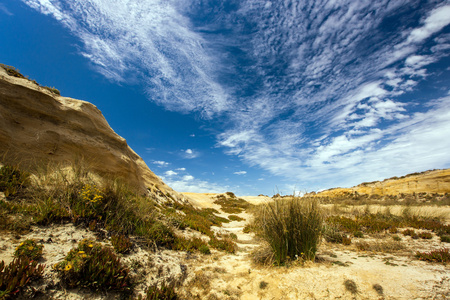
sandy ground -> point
(234, 276)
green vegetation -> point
(165, 291)
(93, 266)
(292, 228)
(15, 276)
(14, 72)
(232, 205)
(29, 249)
(121, 243)
(441, 255)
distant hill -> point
(433, 181)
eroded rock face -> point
(39, 127)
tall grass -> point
(292, 228)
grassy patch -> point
(93, 266)
(232, 205)
(292, 228)
(441, 255)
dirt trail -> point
(395, 275)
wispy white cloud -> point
(149, 41)
(190, 154)
(240, 173)
(170, 173)
(189, 183)
(160, 163)
(328, 85)
(5, 10)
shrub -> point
(15, 276)
(183, 243)
(12, 71)
(409, 232)
(161, 235)
(351, 286)
(166, 291)
(121, 243)
(225, 244)
(333, 235)
(12, 181)
(441, 255)
(346, 241)
(358, 234)
(235, 218)
(29, 249)
(291, 227)
(94, 266)
(425, 235)
(445, 238)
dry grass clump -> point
(292, 228)
(441, 255)
(379, 246)
(351, 286)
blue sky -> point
(254, 97)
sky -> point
(251, 96)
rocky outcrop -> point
(38, 126)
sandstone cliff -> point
(38, 126)
(435, 181)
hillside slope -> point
(435, 181)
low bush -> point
(445, 238)
(292, 228)
(425, 235)
(164, 291)
(29, 249)
(441, 255)
(15, 276)
(235, 218)
(226, 244)
(192, 244)
(121, 243)
(93, 266)
(12, 181)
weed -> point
(346, 240)
(396, 238)
(409, 232)
(263, 285)
(333, 235)
(445, 238)
(232, 205)
(387, 246)
(226, 244)
(12, 181)
(12, 71)
(94, 266)
(121, 243)
(425, 235)
(29, 249)
(378, 288)
(52, 90)
(358, 234)
(441, 255)
(235, 218)
(291, 227)
(165, 291)
(183, 243)
(351, 286)
(233, 236)
(15, 276)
